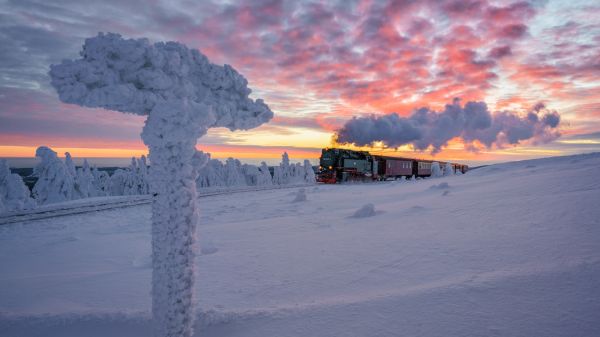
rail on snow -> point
(105, 203)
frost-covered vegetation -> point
(233, 173)
(60, 181)
(14, 195)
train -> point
(342, 165)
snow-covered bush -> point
(14, 195)
(55, 183)
(436, 170)
(183, 95)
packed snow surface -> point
(505, 250)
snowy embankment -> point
(506, 250)
(95, 204)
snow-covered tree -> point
(278, 176)
(183, 95)
(299, 174)
(309, 173)
(264, 179)
(142, 176)
(436, 170)
(286, 170)
(101, 182)
(55, 183)
(84, 181)
(448, 169)
(233, 173)
(14, 195)
(251, 174)
(211, 174)
(70, 165)
(117, 182)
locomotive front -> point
(327, 166)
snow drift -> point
(512, 251)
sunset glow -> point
(318, 65)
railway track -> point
(106, 203)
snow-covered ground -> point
(506, 250)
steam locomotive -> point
(341, 165)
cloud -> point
(368, 56)
(473, 122)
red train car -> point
(392, 167)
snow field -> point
(505, 250)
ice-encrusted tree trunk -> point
(182, 94)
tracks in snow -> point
(106, 203)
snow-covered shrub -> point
(448, 169)
(14, 195)
(183, 95)
(55, 183)
(436, 170)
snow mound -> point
(300, 195)
(365, 211)
(440, 186)
(208, 247)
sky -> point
(318, 65)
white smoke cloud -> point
(427, 128)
